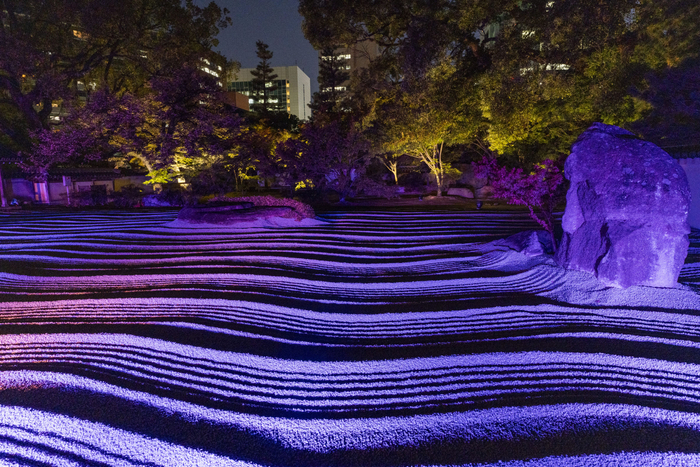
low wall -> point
(692, 171)
(136, 180)
(23, 190)
(20, 189)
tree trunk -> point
(157, 187)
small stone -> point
(529, 242)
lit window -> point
(557, 67)
(328, 58)
(337, 88)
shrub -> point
(300, 210)
(412, 181)
(95, 196)
(375, 189)
(540, 190)
(127, 197)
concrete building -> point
(354, 58)
(236, 99)
(293, 89)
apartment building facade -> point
(292, 93)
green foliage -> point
(263, 83)
(160, 176)
(543, 71)
(419, 121)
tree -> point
(263, 84)
(544, 70)
(180, 120)
(54, 52)
(328, 101)
(329, 157)
(420, 119)
(674, 98)
(540, 189)
(390, 160)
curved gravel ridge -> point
(366, 338)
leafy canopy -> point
(544, 70)
(54, 52)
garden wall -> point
(692, 171)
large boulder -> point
(626, 218)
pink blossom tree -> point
(540, 190)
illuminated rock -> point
(485, 191)
(529, 242)
(154, 201)
(463, 192)
(626, 218)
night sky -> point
(275, 22)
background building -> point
(337, 68)
(353, 58)
(293, 87)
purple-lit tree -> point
(181, 120)
(540, 189)
(331, 157)
(54, 52)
